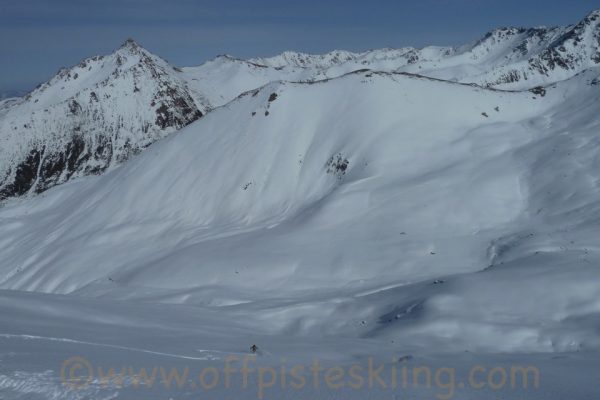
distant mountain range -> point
(95, 115)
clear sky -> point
(39, 36)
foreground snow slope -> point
(40, 333)
(376, 205)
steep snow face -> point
(89, 118)
(378, 205)
(261, 161)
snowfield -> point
(353, 216)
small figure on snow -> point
(254, 349)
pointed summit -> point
(129, 43)
(130, 46)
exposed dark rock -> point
(74, 107)
(337, 165)
(539, 90)
(26, 173)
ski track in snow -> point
(52, 339)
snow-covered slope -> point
(89, 118)
(350, 196)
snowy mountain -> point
(518, 58)
(89, 118)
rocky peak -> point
(130, 49)
(129, 42)
(130, 46)
(91, 117)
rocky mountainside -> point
(89, 118)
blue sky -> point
(39, 36)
